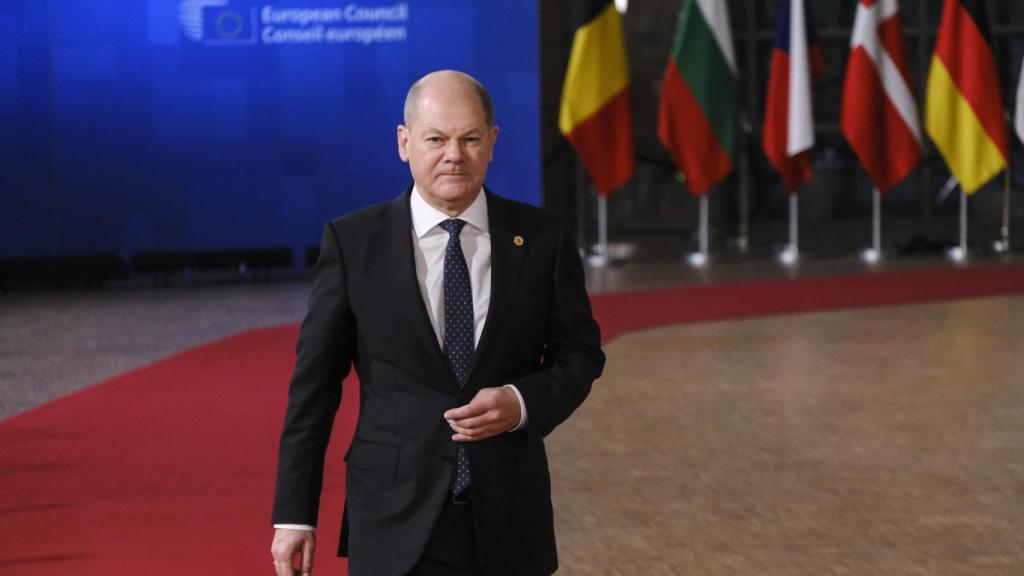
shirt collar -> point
(425, 217)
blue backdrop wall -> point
(132, 125)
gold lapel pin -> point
(517, 240)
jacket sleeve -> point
(572, 353)
(324, 355)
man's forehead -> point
(442, 129)
(448, 97)
(443, 115)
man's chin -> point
(457, 190)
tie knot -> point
(453, 226)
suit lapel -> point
(402, 270)
(508, 251)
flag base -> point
(740, 244)
(789, 255)
(871, 256)
(957, 254)
(597, 260)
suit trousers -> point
(451, 550)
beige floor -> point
(887, 441)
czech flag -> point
(788, 118)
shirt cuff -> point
(305, 527)
(522, 409)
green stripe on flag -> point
(704, 67)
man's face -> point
(447, 144)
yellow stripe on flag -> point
(597, 69)
(973, 157)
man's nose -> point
(453, 152)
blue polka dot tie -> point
(458, 330)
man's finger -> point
(284, 568)
(485, 400)
(481, 421)
(479, 433)
(465, 411)
(307, 557)
(464, 438)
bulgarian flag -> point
(594, 114)
(964, 104)
(788, 120)
(697, 111)
(879, 116)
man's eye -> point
(434, 139)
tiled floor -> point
(875, 442)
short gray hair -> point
(413, 96)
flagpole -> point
(794, 226)
(700, 258)
(599, 259)
(792, 251)
(959, 254)
(1003, 244)
(743, 243)
(874, 254)
(581, 208)
(963, 222)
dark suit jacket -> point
(366, 310)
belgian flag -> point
(594, 114)
(964, 105)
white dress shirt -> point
(428, 245)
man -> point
(468, 323)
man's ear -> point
(494, 140)
(403, 142)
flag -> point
(788, 121)
(594, 114)
(697, 110)
(964, 104)
(879, 116)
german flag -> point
(964, 104)
(594, 113)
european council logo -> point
(217, 22)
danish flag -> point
(879, 116)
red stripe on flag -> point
(684, 130)
(968, 58)
(876, 131)
(794, 170)
(604, 147)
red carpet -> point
(626, 311)
(169, 469)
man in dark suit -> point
(468, 323)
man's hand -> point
(287, 545)
(491, 412)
